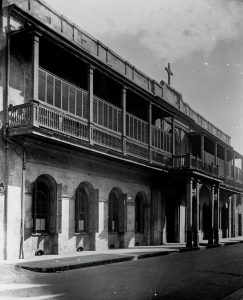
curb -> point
(129, 257)
(75, 266)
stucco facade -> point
(94, 154)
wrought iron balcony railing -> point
(191, 162)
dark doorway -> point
(206, 221)
(117, 218)
(225, 221)
(171, 220)
(239, 224)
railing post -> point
(90, 99)
(35, 63)
(124, 121)
(234, 171)
(188, 158)
(34, 113)
(225, 163)
(150, 142)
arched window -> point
(139, 213)
(113, 211)
(47, 205)
(82, 210)
(117, 220)
(42, 208)
(86, 208)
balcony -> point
(100, 52)
(64, 109)
(231, 174)
(190, 162)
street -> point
(207, 274)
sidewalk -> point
(78, 260)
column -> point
(189, 212)
(35, 62)
(196, 225)
(210, 240)
(233, 175)
(233, 215)
(173, 137)
(150, 131)
(230, 209)
(202, 147)
(225, 162)
(241, 215)
(124, 122)
(90, 99)
(216, 221)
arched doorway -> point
(205, 213)
(117, 218)
(86, 216)
(46, 213)
(141, 219)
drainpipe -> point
(6, 66)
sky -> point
(202, 40)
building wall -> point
(70, 170)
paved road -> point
(206, 274)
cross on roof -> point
(168, 70)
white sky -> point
(202, 39)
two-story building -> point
(94, 154)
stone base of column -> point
(189, 239)
(210, 237)
(195, 239)
(216, 236)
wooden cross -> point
(168, 70)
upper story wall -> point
(72, 32)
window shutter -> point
(90, 212)
(110, 208)
(53, 214)
(34, 199)
(96, 210)
(142, 216)
(122, 214)
(59, 209)
(125, 212)
(76, 211)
